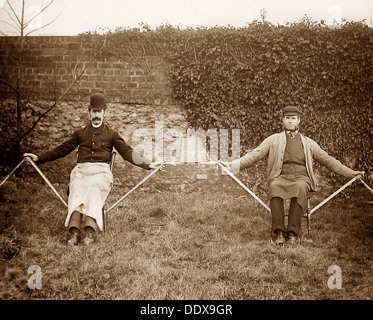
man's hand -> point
(227, 165)
(156, 164)
(33, 157)
(359, 174)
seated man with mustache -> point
(91, 179)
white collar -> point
(292, 134)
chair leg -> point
(104, 219)
(308, 216)
(308, 224)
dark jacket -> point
(95, 145)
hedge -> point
(241, 78)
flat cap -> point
(97, 102)
(290, 111)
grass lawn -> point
(169, 245)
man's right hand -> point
(33, 157)
(226, 165)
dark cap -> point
(97, 102)
(290, 111)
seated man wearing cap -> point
(290, 173)
(91, 179)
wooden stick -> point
(46, 180)
(245, 188)
(191, 162)
(133, 189)
(334, 194)
(14, 170)
(364, 183)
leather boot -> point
(280, 240)
(75, 237)
(89, 238)
(292, 238)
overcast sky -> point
(78, 16)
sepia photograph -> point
(188, 158)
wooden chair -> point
(104, 209)
(307, 214)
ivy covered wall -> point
(241, 78)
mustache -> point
(96, 118)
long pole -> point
(334, 194)
(134, 188)
(174, 163)
(245, 188)
(11, 173)
(46, 180)
(364, 183)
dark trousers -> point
(77, 222)
(278, 216)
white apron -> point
(90, 184)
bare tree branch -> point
(39, 13)
(10, 25)
(14, 13)
(25, 118)
(35, 16)
(51, 107)
(75, 80)
(8, 84)
(46, 25)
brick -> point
(124, 79)
(83, 91)
(108, 78)
(104, 65)
(138, 79)
(94, 78)
(87, 84)
(110, 92)
(102, 85)
(117, 65)
(133, 85)
(92, 65)
(37, 52)
(117, 85)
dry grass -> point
(181, 246)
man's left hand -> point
(156, 164)
(359, 174)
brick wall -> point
(48, 61)
(136, 99)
